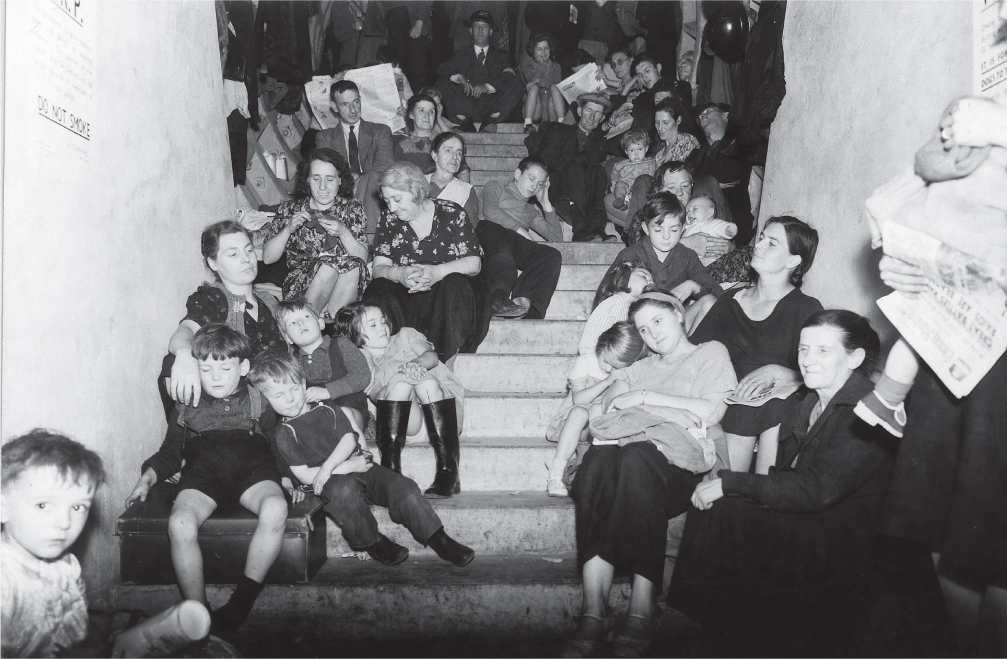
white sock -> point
(527, 121)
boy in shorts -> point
(228, 462)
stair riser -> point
(509, 417)
(514, 373)
(588, 253)
(581, 277)
(480, 177)
(540, 337)
(486, 530)
(400, 610)
(510, 139)
(570, 305)
(484, 469)
(495, 164)
(495, 151)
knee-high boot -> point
(390, 424)
(442, 426)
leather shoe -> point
(504, 308)
(450, 549)
(386, 552)
(488, 128)
(467, 127)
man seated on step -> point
(509, 215)
(477, 82)
(366, 146)
(574, 155)
(318, 443)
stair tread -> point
(500, 394)
(491, 442)
(498, 499)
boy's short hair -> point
(44, 448)
(635, 137)
(276, 366)
(287, 307)
(218, 341)
(621, 341)
(660, 206)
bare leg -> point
(641, 601)
(769, 442)
(404, 391)
(320, 288)
(597, 577)
(429, 391)
(265, 499)
(191, 509)
(531, 105)
(570, 434)
(902, 364)
(343, 292)
(740, 449)
(559, 104)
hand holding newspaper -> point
(587, 80)
(762, 396)
(379, 97)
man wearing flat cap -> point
(574, 156)
(477, 83)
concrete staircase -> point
(523, 581)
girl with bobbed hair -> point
(322, 233)
(760, 325)
(541, 73)
(426, 258)
(778, 564)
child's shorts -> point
(222, 464)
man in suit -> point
(365, 145)
(574, 157)
(477, 84)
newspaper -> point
(587, 80)
(762, 396)
(379, 97)
(959, 326)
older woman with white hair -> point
(426, 256)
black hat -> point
(483, 16)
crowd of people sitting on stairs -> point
(393, 265)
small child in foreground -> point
(228, 462)
(317, 442)
(618, 347)
(635, 143)
(336, 370)
(49, 482)
(701, 217)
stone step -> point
(537, 337)
(492, 164)
(480, 178)
(495, 151)
(570, 305)
(513, 373)
(488, 464)
(509, 415)
(588, 253)
(581, 277)
(488, 522)
(513, 139)
(495, 595)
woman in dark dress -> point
(426, 256)
(228, 253)
(416, 147)
(760, 325)
(778, 564)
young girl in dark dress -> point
(760, 325)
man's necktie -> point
(354, 154)
(482, 57)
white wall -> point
(866, 83)
(99, 256)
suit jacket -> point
(556, 144)
(492, 72)
(374, 144)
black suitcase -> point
(145, 552)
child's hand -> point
(413, 371)
(707, 493)
(315, 394)
(296, 495)
(686, 289)
(358, 463)
(142, 488)
(974, 122)
(543, 193)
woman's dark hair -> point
(444, 137)
(802, 241)
(856, 332)
(302, 187)
(644, 57)
(670, 106)
(615, 281)
(536, 39)
(349, 321)
(411, 105)
(672, 166)
(661, 205)
(209, 241)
